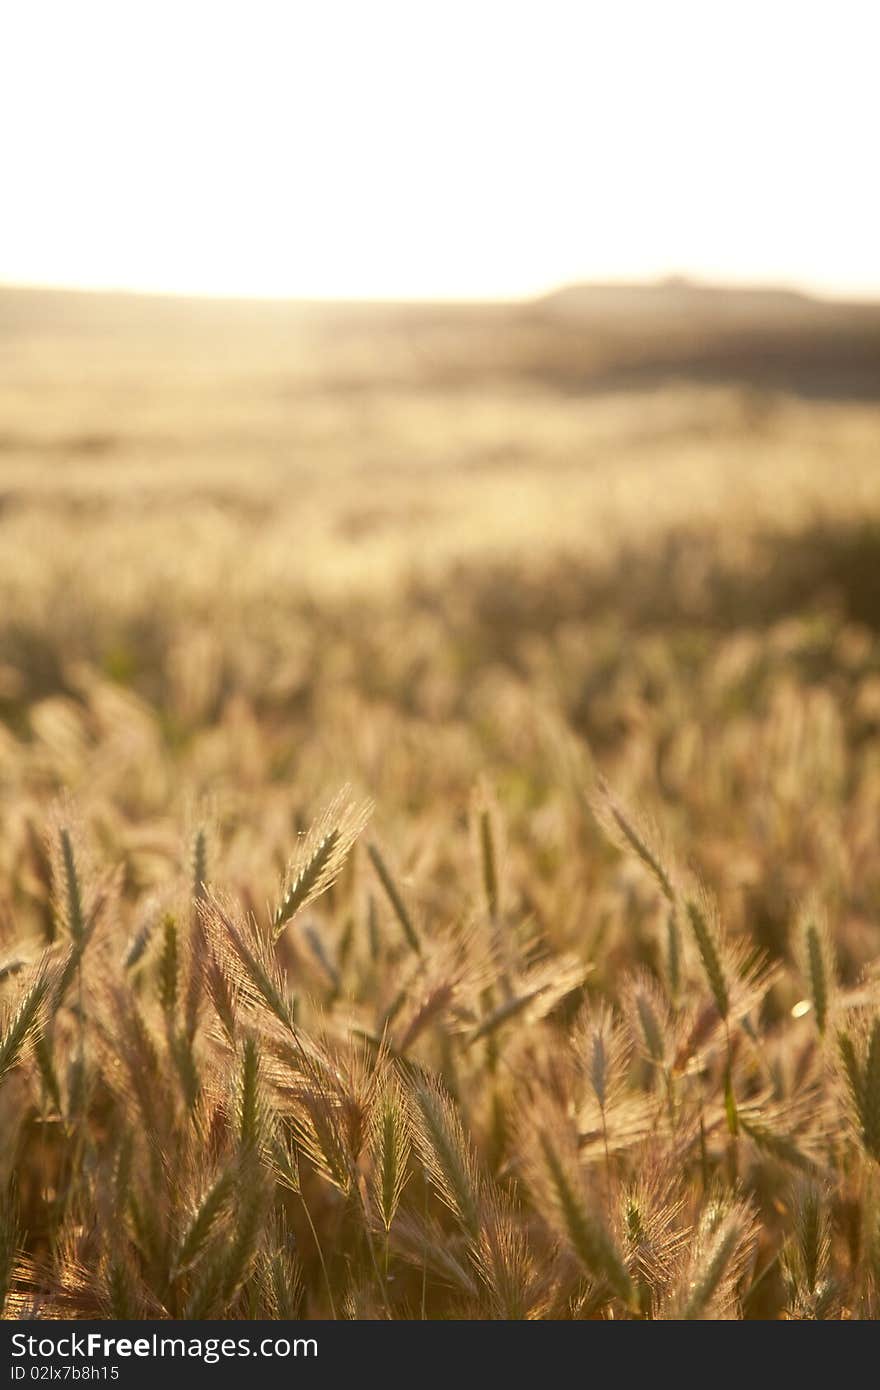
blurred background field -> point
(250, 546)
(211, 454)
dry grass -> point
(568, 1004)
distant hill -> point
(678, 287)
(679, 297)
(780, 337)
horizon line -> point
(683, 280)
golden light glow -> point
(443, 149)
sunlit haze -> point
(438, 149)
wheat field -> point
(439, 809)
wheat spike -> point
(626, 830)
(76, 922)
(281, 1274)
(648, 1018)
(321, 856)
(200, 1226)
(723, 1246)
(673, 952)
(140, 940)
(252, 1114)
(23, 1024)
(447, 1154)
(585, 1230)
(258, 979)
(167, 970)
(704, 925)
(817, 962)
(806, 1260)
(199, 864)
(389, 1146)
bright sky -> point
(396, 148)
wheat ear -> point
(320, 857)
